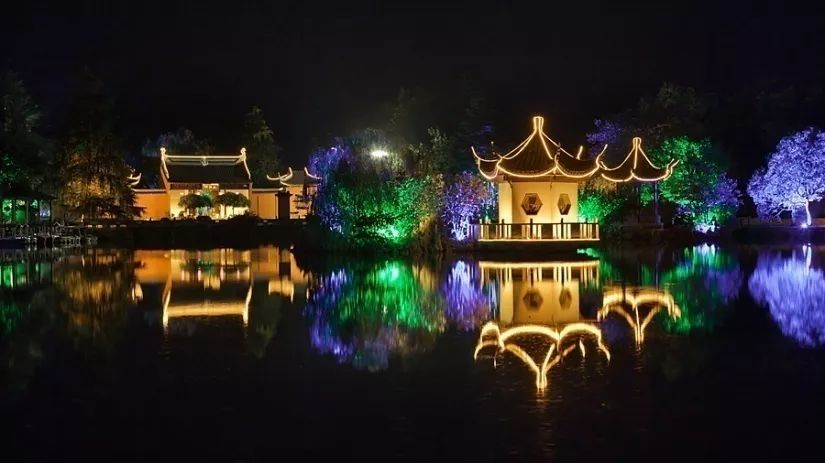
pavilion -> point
(538, 184)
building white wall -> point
(512, 194)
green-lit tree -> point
(600, 201)
(93, 174)
(262, 151)
(699, 186)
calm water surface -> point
(251, 355)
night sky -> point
(318, 71)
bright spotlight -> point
(378, 154)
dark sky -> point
(319, 71)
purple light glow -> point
(795, 295)
(464, 201)
(466, 305)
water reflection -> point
(248, 287)
(366, 312)
(640, 300)
(794, 293)
(467, 302)
(558, 344)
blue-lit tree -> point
(794, 176)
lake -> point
(652, 354)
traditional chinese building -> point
(538, 187)
(287, 196)
(296, 190)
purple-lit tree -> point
(794, 176)
(324, 161)
(465, 200)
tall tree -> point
(673, 111)
(92, 169)
(24, 154)
(699, 186)
(262, 151)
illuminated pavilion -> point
(538, 183)
(287, 196)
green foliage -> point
(368, 211)
(261, 149)
(193, 201)
(231, 200)
(698, 186)
(600, 202)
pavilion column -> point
(656, 203)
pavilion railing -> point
(558, 231)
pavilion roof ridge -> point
(636, 165)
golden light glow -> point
(556, 170)
(633, 156)
(502, 340)
(186, 159)
(133, 179)
(636, 297)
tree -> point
(232, 200)
(92, 169)
(262, 151)
(674, 111)
(794, 176)
(464, 202)
(194, 201)
(699, 186)
(599, 201)
(23, 152)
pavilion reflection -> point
(545, 293)
(539, 315)
(555, 344)
(644, 304)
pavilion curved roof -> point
(537, 156)
(637, 166)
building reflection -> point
(248, 286)
(638, 306)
